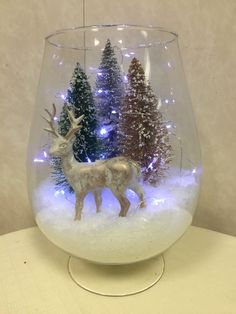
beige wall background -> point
(207, 30)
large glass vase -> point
(113, 158)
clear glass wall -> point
(115, 178)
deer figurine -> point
(118, 173)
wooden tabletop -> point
(200, 278)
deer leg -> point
(139, 190)
(79, 205)
(98, 200)
(124, 202)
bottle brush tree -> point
(86, 145)
(109, 90)
(143, 136)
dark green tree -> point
(143, 136)
(86, 148)
(109, 90)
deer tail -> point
(136, 168)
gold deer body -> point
(118, 174)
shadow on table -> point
(49, 252)
(194, 249)
(191, 251)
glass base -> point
(116, 280)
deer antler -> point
(75, 126)
(74, 123)
(52, 115)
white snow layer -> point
(106, 238)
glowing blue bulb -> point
(63, 96)
(58, 192)
(100, 91)
(103, 131)
(99, 73)
(38, 160)
(89, 160)
(45, 154)
(113, 111)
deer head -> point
(62, 145)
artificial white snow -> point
(106, 238)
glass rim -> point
(119, 27)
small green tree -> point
(143, 136)
(109, 92)
(86, 148)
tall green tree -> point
(86, 148)
(143, 136)
(109, 90)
